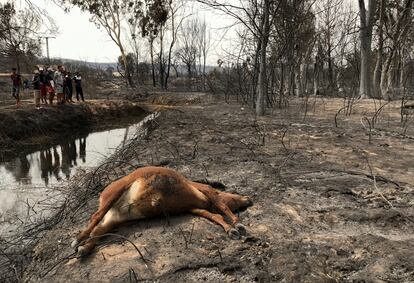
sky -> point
(80, 39)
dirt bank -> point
(26, 128)
(320, 214)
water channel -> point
(29, 178)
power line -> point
(47, 46)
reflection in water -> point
(82, 149)
(49, 166)
(56, 164)
(52, 162)
(20, 168)
(31, 178)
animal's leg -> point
(84, 234)
(214, 197)
(108, 197)
(222, 206)
(220, 203)
(111, 219)
(217, 218)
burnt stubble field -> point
(332, 199)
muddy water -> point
(28, 179)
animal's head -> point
(233, 201)
(236, 202)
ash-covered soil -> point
(328, 205)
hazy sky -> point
(80, 39)
(77, 38)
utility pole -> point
(47, 46)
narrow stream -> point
(27, 179)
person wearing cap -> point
(16, 83)
(36, 88)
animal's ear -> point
(248, 202)
(218, 185)
(214, 184)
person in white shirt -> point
(78, 86)
(58, 79)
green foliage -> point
(148, 14)
(130, 63)
(155, 16)
(18, 32)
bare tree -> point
(367, 18)
(151, 39)
(263, 41)
(329, 24)
(135, 42)
(399, 23)
(175, 24)
(257, 18)
(18, 32)
(380, 51)
(204, 45)
(112, 15)
(188, 50)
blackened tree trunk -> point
(365, 33)
(262, 79)
(154, 84)
(378, 65)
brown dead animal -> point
(154, 191)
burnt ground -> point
(26, 128)
(328, 205)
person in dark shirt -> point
(78, 86)
(43, 84)
(36, 88)
(16, 83)
(69, 87)
(25, 84)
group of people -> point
(50, 83)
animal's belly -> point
(144, 200)
(161, 206)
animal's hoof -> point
(241, 229)
(234, 234)
(74, 244)
(82, 251)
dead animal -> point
(155, 191)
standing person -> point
(69, 87)
(50, 85)
(58, 79)
(16, 83)
(43, 84)
(36, 88)
(64, 85)
(78, 86)
(25, 84)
